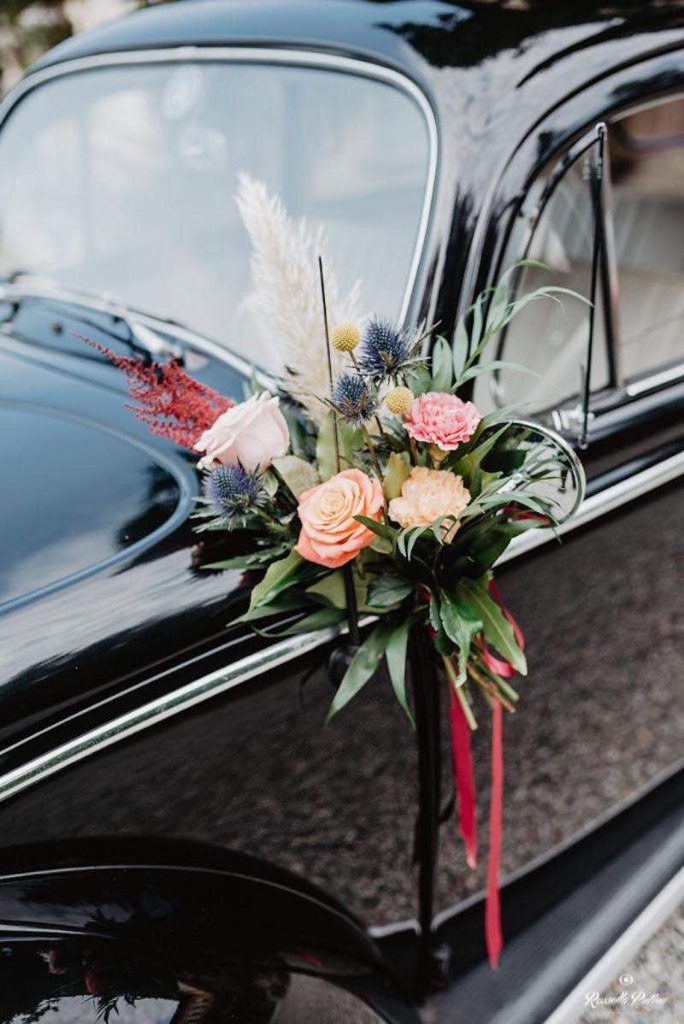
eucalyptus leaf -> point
(418, 379)
(495, 364)
(364, 665)
(281, 605)
(255, 560)
(279, 575)
(416, 534)
(395, 654)
(331, 589)
(298, 474)
(349, 441)
(398, 469)
(497, 629)
(379, 529)
(442, 365)
(460, 624)
(322, 618)
(387, 591)
(461, 344)
(269, 482)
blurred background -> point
(30, 27)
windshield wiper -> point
(143, 337)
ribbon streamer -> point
(493, 934)
(464, 782)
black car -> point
(180, 838)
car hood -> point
(100, 583)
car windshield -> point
(122, 180)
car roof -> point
(437, 32)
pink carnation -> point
(442, 419)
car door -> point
(601, 722)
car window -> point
(549, 338)
(123, 180)
(646, 212)
(647, 171)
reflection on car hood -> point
(98, 557)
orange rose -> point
(330, 535)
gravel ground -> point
(657, 971)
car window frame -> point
(651, 77)
(617, 385)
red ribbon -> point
(493, 933)
(464, 781)
(465, 787)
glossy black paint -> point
(170, 920)
(252, 769)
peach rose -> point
(253, 433)
(442, 419)
(426, 495)
(330, 535)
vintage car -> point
(180, 838)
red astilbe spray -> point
(171, 403)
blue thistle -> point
(232, 491)
(384, 350)
(353, 398)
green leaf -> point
(255, 560)
(416, 534)
(441, 641)
(298, 474)
(497, 629)
(469, 465)
(461, 343)
(279, 575)
(489, 547)
(330, 589)
(364, 665)
(379, 529)
(495, 364)
(460, 625)
(442, 365)
(396, 663)
(387, 591)
(418, 378)
(398, 468)
(269, 482)
(281, 605)
(322, 618)
(349, 439)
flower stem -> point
(458, 690)
(373, 453)
(489, 688)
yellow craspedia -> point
(399, 400)
(345, 337)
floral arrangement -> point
(384, 496)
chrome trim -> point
(51, 290)
(280, 653)
(633, 939)
(601, 504)
(155, 711)
(655, 380)
(266, 55)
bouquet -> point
(383, 501)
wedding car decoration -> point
(382, 499)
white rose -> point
(252, 433)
